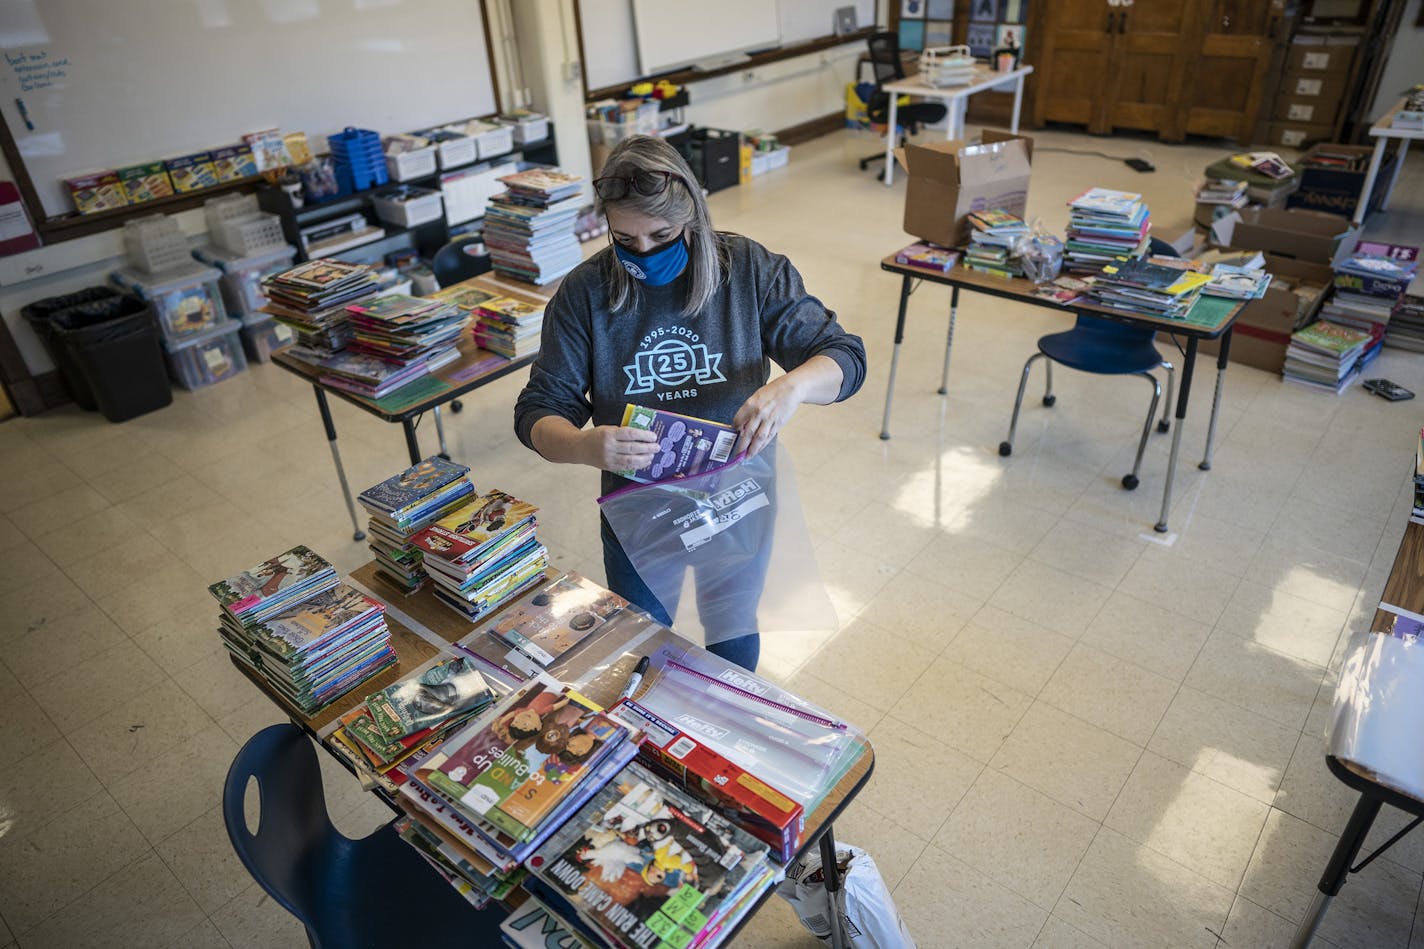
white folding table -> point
(1382, 131)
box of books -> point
(1310, 236)
(1332, 177)
(949, 179)
(1262, 330)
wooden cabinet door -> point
(1070, 77)
(1222, 92)
(1148, 61)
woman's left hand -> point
(764, 413)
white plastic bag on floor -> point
(868, 913)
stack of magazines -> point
(529, 229)
(1104, 225)
(1325, 356)
(509, 327)
(991, 243)
(402, 506)
(1370, 288)
(646, 863)
(407, 331)
(311, 637)
(1153, 287)
(483, 553)
(311, 298)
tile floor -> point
(1086, 734)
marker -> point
(24, 114)
(636, 679)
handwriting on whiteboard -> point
(38, 70)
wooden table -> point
(1382, 132)
(955, 97)
(1020, 290)
(475, 367)
(422, 627)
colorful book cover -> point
(428, 698)
(413, 485)
(687, 446)
(645, 861)
(145, 182)
(192, 172)
(512, 311)
(465, 297)
(1330, 337)
(928, 256)
(313, 620)
(255, 585)
(1107, 201)
(536, 926)
(471, 527)
(552, 620)
(234, 162)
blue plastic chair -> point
(375, 891)
(1105, 347)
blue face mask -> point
(659, 266)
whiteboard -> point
(803, 20)
(673, 35)
(108, 83)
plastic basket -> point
(946, 66)
(360, 163)
(491, 140)
(227, 208)
(407, 206)
(247, 236)
(416, 163)
(155, 243)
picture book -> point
(313, 621)
(928, 256)
(428, 698)
(535, 926)
(413, 485)
(272, 580)
(1107, 201)
(461, 535)
(686, 446)
(644, 861)
(1063, 290)
(1401, 252)
(1326, 337)
(552, 620)
(465, 297)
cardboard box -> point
(1337, 190)
(1319, 58)
(1306, 110)
(1297, 134)
(1303, 235)
(950, 179)
(1321, 87)
(1262, 331)
(1208, 214)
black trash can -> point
(40, 317)
(115, 346)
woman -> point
(681, 317)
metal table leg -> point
(356, 532)
(440, 433)
(949, 342)
(831, 877)
(889, 176)
(411, 443)
(1366, 808)
(1182, 395)
(1216, 399)
(895, 359)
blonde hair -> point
(681, 205)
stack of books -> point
(405, 330)
(483, 553)
(1325, 356)
(1142, 286)
(529, 229)
(1237, 282)
(1104, 225)
(508, 327)
(1261, 187)
(991, 243)
(646, 863)
(1406, 326)
(496, 789)
(928, 256)
(311, 298)
(1228, 192)
(1370, 288)
(402, 506)
(312, 638)
(550, 621)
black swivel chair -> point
(886, 66)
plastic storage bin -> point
(714, 155)
(407, 206)
(262, 336)
(241, 281)
(186, 300)
(527, 126)
(208, 357)
(491, 140)
(116, 347)
(360, 163)
(416, 163)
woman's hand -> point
(618, 448)
(764, 413)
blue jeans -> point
(735, 612)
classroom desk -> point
(1382, 133)
(475, 367)
(422, 627)
(1021, 291)
(1403, 595)
(956, 98)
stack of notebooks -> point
(1325, 356)
(293, 622)
(508, 327)
(311, 298)
(529, 229)
(402, 506)
(645, 863)
(991, 243)
(1370, 288)
(483, 553)
(1104, 225)
(500, 785)
(1156, 287)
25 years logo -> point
(672, 363)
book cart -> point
(422, 628)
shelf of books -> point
(546, 743)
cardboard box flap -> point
(934, 160)
(980, 164)
(1307, 235)
(990, 136)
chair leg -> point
(1166, 423)
(1006, 448)
(1129, 481)
(1048, 397)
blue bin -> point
(359, 161)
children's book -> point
(1106, 201)
(412, 485)
(551, 620)
(536, 926)
(465, 297)
(686, 446)
(928, 256)
(309, 624)
(644, 861)
(274, 582)
(461, 535)
(428, 698)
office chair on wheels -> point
(886, 66)
(1105, 347)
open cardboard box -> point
(949, 179)
(1262, 331)
(1311, 236)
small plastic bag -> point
(741, 531)
(868, 914)
(1040, 252)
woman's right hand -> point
(619, 448)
